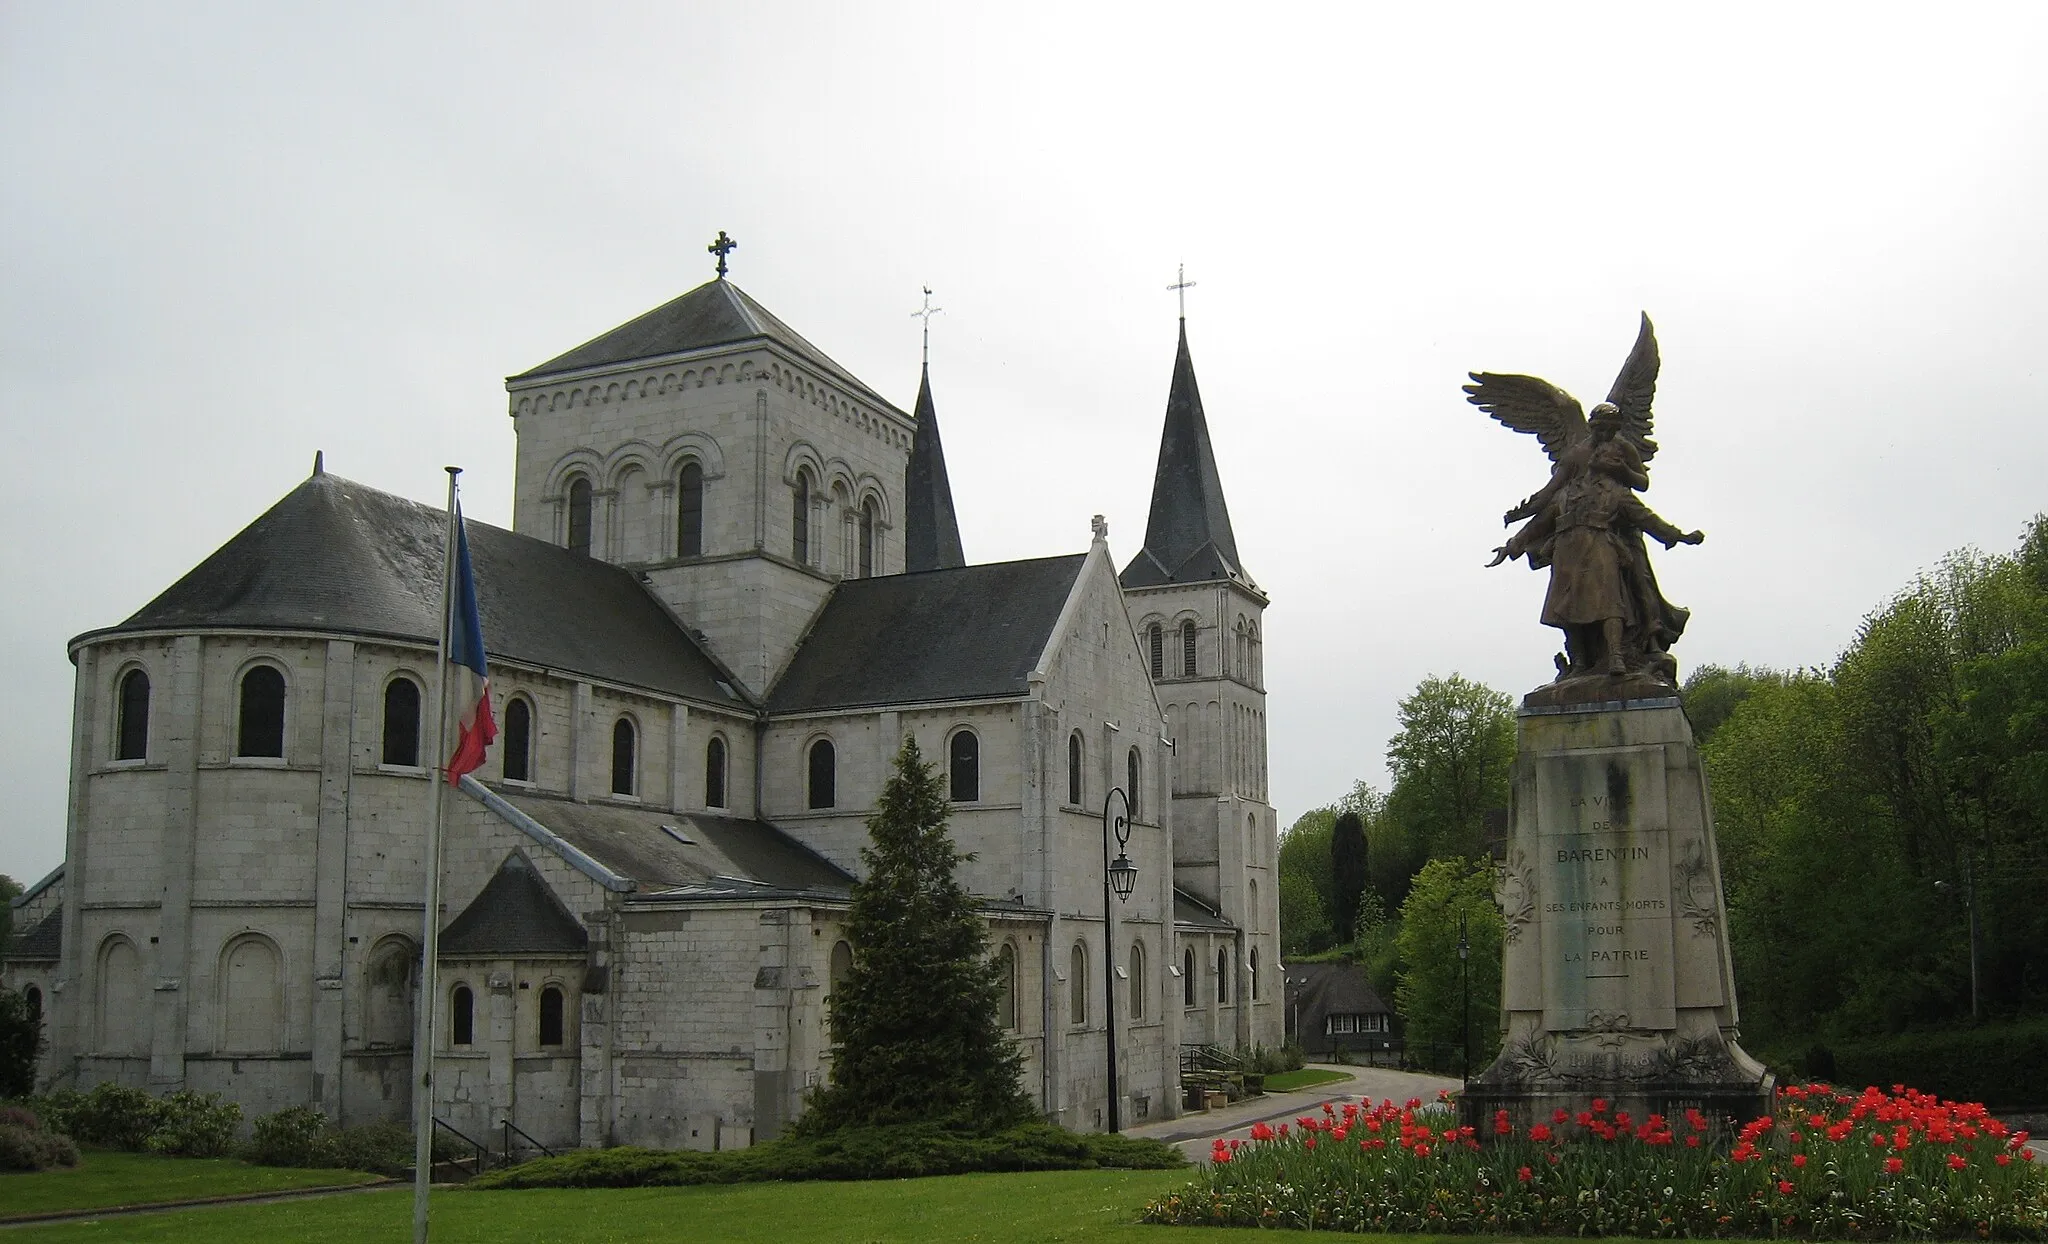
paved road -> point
(1195, 1132)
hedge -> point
(2005, 1066)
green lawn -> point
(105, 1179)
(1307, 1077)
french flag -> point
(469, 682)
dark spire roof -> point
(716, 313)
(1188, 537)
(931, 531)
(516, 913)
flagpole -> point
(430, 923)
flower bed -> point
(1829, 1164)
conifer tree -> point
(1350, 870)
(915, 1031)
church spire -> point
(931, 531)
(1188, 537)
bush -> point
(2002, 1065)
(900, 1152)
(301, 1136)
(291, 1137)
(113, 1117)
(21, 1044)
(26, 1149)
(20, 1116)
(195, 1125)
(381, 1148)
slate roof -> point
(716, 313)
(1320, 989)
(931, 530)
(974, 632)
(1188, 538)
(723, 855)
(339, 556)
(41, 943)
(516, 913)
(1190, 910)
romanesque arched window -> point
(1074, 750)
(1252, 973)
(579, 515)
(402, 722)
(624, 747)
(1137, 981)
(389, 981)
(841, 967)
(552, 1026)
(690, 511)
(516, 744)
(824, 775)
(1187, 977)
(1155, 644)
(132, 740)
(261, 726)
(251, 997)
(800, 518)
(963, 762)
(1077, 984)
(119, 1003)
(1222, 977)
(1131, 771)
(461, 1016)
(714, 773)
(1006, 983)
(32, 1001)
(868, 519)
(1187, 648)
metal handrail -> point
(511, 1127)
(483, 1153)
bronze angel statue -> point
(1587, 525)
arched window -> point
(1006, 984)
(551, 1025)
(1187, 648)
(1074, 768)
(800, 518)
(251, 998)
(133, 740)
(690, 511)
(518, 741)
(623, 769)
(121, 1003)
(261, 730)
(842, 965)
(1137, 980)
(579, 516)
(1222, 977)
(402, 722)
(1131, 772)
(391, 978)
(1251, 904)
(1155, 643)
(867, 538)
(1187, 977)
(714, 773)
(32, 998)
(1077, 985)
(1252, 969)
(462, 1016)
(824, 775)
(1244, 651)
(963, 759)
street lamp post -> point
(1465, 981)
(1121, 877)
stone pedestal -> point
(1617, 981)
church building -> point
(733, 583)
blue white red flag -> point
(469, 679)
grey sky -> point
(231, 235)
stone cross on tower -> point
(1181, 286)
(721, 247)
(926, 315)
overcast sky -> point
(231, 235)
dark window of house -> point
(800, 519)
(964, 759)
(690, 511)
(1156, 638)
(1077, 985)
(1187, 648)
(622, 757)
(1222, 976)
(1131, 771)
(461, 1016)
(1252, 977)
(32, 998)
(714, 773)
(401, 722)
(1138, 983)
(579, 516)
(867, 538)
(1187, 977)
(518, 749)
(134, 741)
(262, 724)
(824, 775)
(1074, 768)
(551, 1015)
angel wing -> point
(1635, 388)
(1527, 404)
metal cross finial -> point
(722, 247)
(1181, 286)
(926, 315)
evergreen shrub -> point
(111, 1116)
(28, 1149)
(194, 1125)
(2001, 1065)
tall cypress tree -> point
(915, 1031)
(1348, 872)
